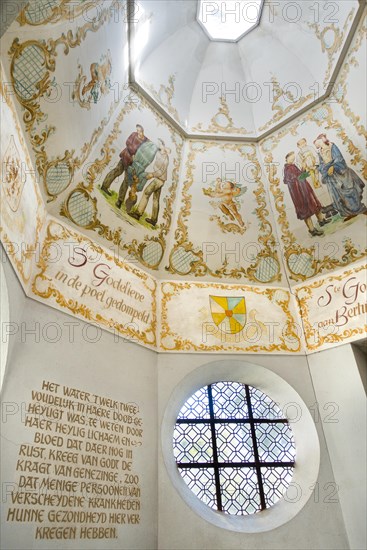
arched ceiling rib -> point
(169, 22)
(185, 66)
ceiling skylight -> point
(229, 20)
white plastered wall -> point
(12, 305)
(109, 367)
(339, 390)
(319, 525)
(125, 371)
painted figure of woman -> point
(344, 185)
(304, 199)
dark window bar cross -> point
(216, 464)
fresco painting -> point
(22, 212)
(41, 71)
(117, 296)
(306, 174)
(223, 198)
(317, 175)
(307, 160)
(143, 165)
(228, 195)
(88, 92)
(304, 199)
(344, 185)
(217, 317)
(294, 202)
(333, 308)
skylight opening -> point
(229, 20)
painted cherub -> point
(227, 192)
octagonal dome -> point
(117, 172)
(244, 88)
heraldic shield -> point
(229, 314)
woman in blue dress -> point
(344, 185)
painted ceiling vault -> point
(199, 171)
(246, 88)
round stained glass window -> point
(234, 448)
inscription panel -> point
(76, 479)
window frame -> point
(216, 465)
(304, 432)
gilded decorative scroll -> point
(216, 127)
(331, 47)
(39, 57)
(164, 96)
(27, 250)
(51, 11)
(280, 112)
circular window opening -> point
(234, 448)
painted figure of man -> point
(304, 199)
(135, 174)
(344, 185)
(158, 177)
(307, 161)
(127, 155)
